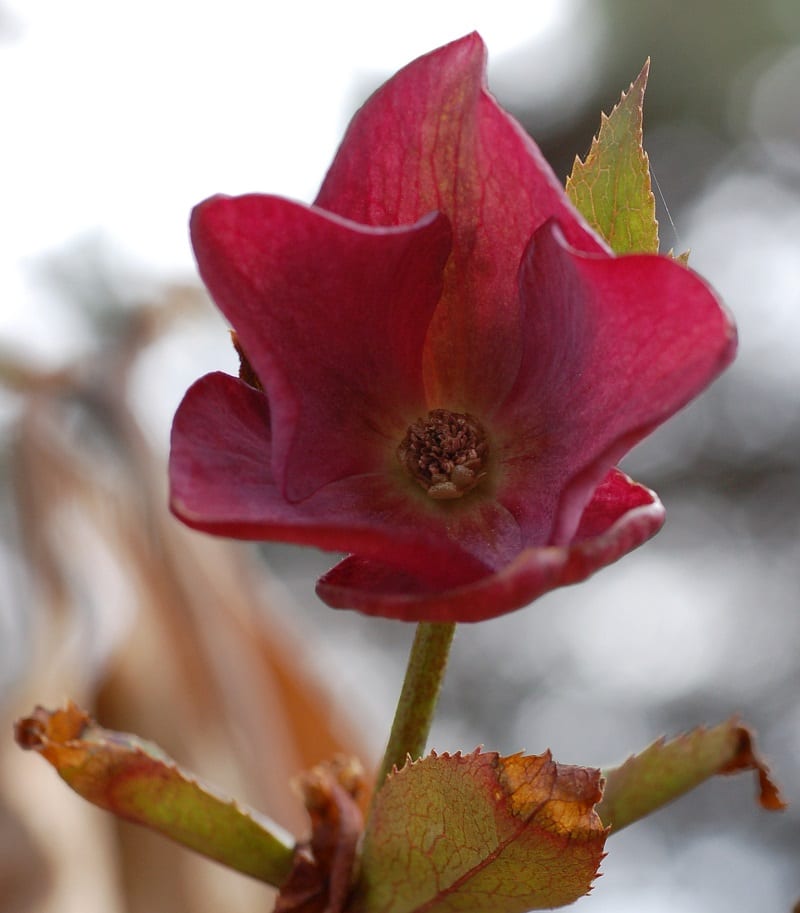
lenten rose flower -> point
(443, 363)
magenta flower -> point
(446, 363)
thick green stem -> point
(414, 714)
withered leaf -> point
(323, 869)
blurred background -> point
(117, 118)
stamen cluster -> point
(446, 453)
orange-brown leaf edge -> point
(747, 758)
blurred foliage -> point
(164, 633)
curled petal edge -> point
(622, 516)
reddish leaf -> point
(136, 781)
(481, 833)
(666, 770)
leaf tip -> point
(637, 88)
(42, 727)
(746, 757)
(29, 730)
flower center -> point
(446, 453)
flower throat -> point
(446, 453)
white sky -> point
(119, 117)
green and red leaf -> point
(136, 781)
(668, 769)
(479, 832)
(611, 188)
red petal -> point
(221, 483)
(434, 138)
(332, 316)
(621, 516)
(612, 347)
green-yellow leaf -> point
(481, 834)
(611, 189)
(137, 781)
(666, 770)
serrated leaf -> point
(482, 834)
(611, 188)
(666, 770)
(135, 780)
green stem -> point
(414, 715)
